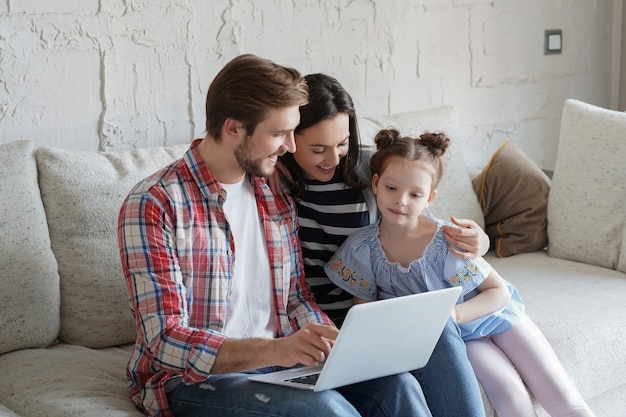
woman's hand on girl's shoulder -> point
(468, 240)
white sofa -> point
(65, 326)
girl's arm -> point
(493, 295)
(468, 237)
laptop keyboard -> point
(306, 379)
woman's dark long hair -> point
(327, 98)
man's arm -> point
(308, 346)
(312, 334)
(301, 306)
(157, 294)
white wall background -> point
(117, 74)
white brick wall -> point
(115, 74)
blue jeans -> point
(448, 381)
(233, 394)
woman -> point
(328, 176)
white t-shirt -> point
(251, 312)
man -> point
(214, 271)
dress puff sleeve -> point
(465, 273)
(350, 267)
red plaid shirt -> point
(177, 254)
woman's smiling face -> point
(320, 147)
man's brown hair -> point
(247, 88)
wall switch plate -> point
(553, 41)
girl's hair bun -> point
(437, 143)
(386, 137)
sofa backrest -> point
(586, 216)
(29, 283)
(82, 193)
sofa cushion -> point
(82, 192)
(29, 299)
(513, 194)
(586, 216)
(577, 306)
(5, 412)
(455, 195)
(67, 380)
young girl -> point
(329, 180)
(405, 253)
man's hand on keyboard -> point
(309, 346)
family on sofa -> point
(209, 310)
(66, 332)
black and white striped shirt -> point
(328, 212)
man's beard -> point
(251, 166)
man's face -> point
(257, 153)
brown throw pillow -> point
(513, 194)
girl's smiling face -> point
(403, 190)
(320, 147)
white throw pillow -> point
(586, 204)
(455, 195)
(82, 192)
(29, 295)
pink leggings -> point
(505, 362)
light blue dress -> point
(361, 268)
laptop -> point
(377, 339)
